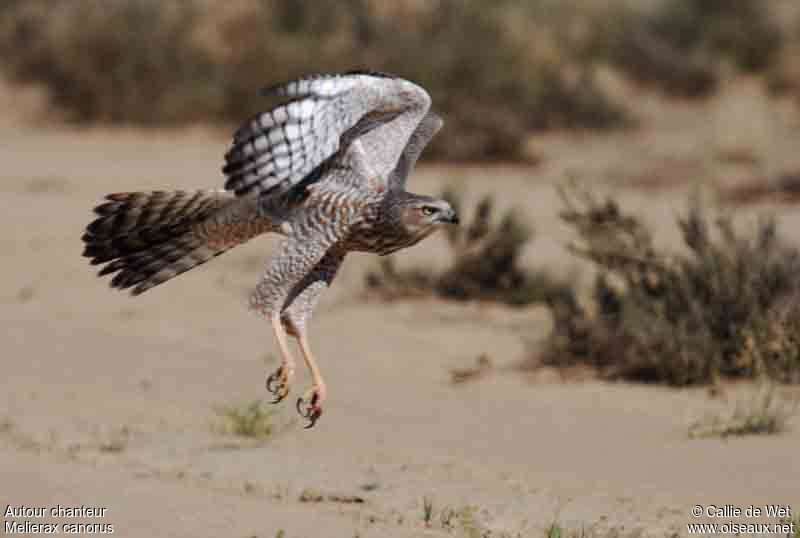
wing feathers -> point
(274, 151)
(277, 149)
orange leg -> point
(310, 404)
(278, 382)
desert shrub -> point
(782, 188)
(682, 44)
(764, 412)
(492, 76)
(496, 70)
(727, 308)
(784, 76)
(252, 420)
(118, 61)
(491, 86)
(485, 264)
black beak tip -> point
(454, 219)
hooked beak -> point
(451, 217)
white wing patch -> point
(292, 131)
(277, 149)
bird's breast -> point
(377, 236)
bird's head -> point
(419, 216)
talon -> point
(270, 380)
(313, 417)
(277, 384)
(279, 396)
(312, 410)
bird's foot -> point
(278, 383)
(309, 405)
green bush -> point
(728, 308)
(484, 266)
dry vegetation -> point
(723, 307)
(789, 521)
(252, 420)
(146, 62)
(683, 46)
(765, 411)
(726, 309)
(496, 72)
(466, 521)
(557, 530)
(485, 264)
(784, 188)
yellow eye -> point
(428, 210)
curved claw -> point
(279, 396)
(270, 380)
(277, 385)
(313, 417)
(313, 410)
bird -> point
(325, 168)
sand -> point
(108, 401)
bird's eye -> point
(428, 210)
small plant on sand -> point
(764, 412)
(483, 365)
(794, 525)
(556, 530)
(727, 308)
(311, 495)
(427, 511)
(252, 420)
(468, 521)
(485, 264)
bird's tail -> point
(147, 238)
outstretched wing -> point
(419, 139)
(370, 114)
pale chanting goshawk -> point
(326, 168)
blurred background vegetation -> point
(497, 71)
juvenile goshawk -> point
(326, 169)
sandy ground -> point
(109, 401)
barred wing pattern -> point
(326, 168)
(370, 114)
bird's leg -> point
(309, 405)
(278, 382)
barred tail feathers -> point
(147, 238)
